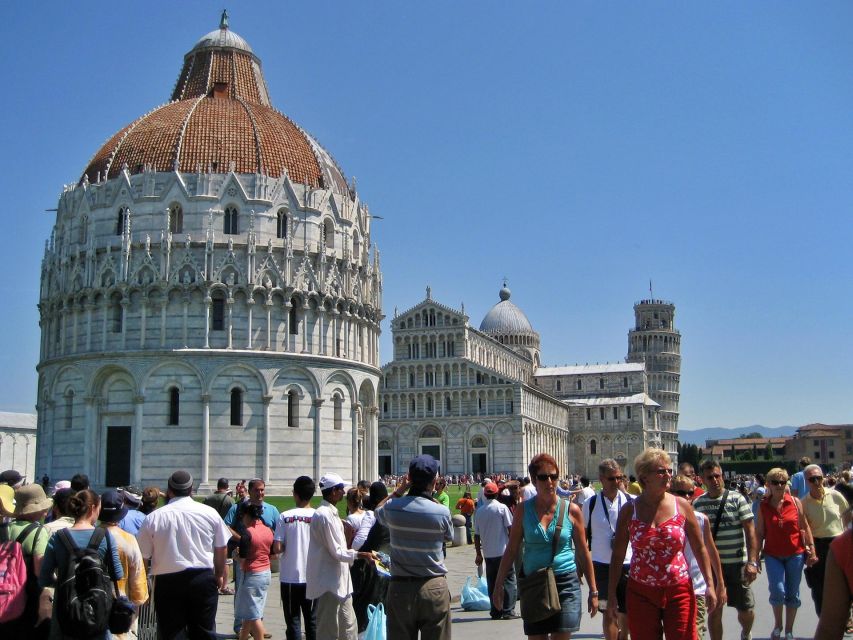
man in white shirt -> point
(292, 538)
(528, 489)
(327, 576)
(491, 536)
(600, 513)
(585, 493)
(185, 541)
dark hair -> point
(364, 484)
(539, 460)
(304, 488)
(254, 511)
(60, 501)
(709, 465)
(584, 481)
(79, 482)
(845, 490)
(222, 483)
(378, 492)
(82, 502)
(255, 482)
(467, 494)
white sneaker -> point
(789, 636)
(777, 633)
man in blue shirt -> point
(418, 597)
(798, 480)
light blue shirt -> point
(537, 542)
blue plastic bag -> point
(475, 595)
(376, 627)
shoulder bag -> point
(538, 591)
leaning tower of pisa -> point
(655, 341)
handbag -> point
(538, 591)
(123, 610)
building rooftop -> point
(18, 420)
(582, 369)
(637, 398)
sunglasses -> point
(542, 477)
(614, 478)
(663, 472)
(816, 479)
(779, 483)
(683, 494)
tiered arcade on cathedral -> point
(479, 400)
(210, 296)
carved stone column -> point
(136, 439)
(205, 438)
(265, 474)
(318, 404)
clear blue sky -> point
(579, 149)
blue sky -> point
(579, 149)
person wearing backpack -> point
(59, 568)
(26, 538)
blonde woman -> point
(660, 596)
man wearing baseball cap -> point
(418, 597)
(492, 524)
(185, 541)
(328, 578)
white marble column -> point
(265, 474)
(318, 404)
(136, 440)
(205, 438)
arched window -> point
(478, 442)
(601, 383)
(236, 407)
(579, 384)
(69, 408)
(593, 447)
(231, 223)
(384, 445)
(430, 432)
(338, 403)
(292, 319)
(559, 385)
(329, 232)
(281, 224)
(447, 405)
(118, 316)
(122, 213)
(217, 312)
(84, 224)
(174, 405)
(292, 409)
(176, 218)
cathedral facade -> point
(479, 400)
(210, 296)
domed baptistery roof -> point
(220, 118)
(509, 325)
(210, 296)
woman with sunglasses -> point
(827, 513)
(660, 596)
(533, 528)
(783, 532)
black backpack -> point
(84, 597)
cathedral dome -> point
(220, 119)
(506, 318)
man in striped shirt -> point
(731, 520)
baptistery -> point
(210, 296)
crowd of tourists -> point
(661, 554)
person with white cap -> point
(328, 579)
(185, 541)
(132, 520)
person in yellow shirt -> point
(134, 584)
(828, 514)
(634, 487)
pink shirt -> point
(658, 559)
(258, 557)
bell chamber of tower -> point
(210, 296)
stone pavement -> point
(477, 625)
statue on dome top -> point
(223, 21)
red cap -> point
(491, 489)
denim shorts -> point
(569, 617)
(252, 596)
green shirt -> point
(730, 536)
(443, 498)
(36, 541)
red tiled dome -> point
(220, 115)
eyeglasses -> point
(683, 494)
(542, 477)
(816, 479)
(663, 471)
(779, 483)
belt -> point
(413, 578)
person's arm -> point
(219, 566)
(716, 565)
(836, 602)
(516, 535)
(806, 535)
(752, 549)
(335, 546)
(585, 558)
(367, 523)
(617, 558)
(845, 510)
(697, 544)
(759, 530)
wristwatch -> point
(753, 563)
(593, 594)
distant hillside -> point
(698, 436)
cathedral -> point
(480, 401)
(210, 296)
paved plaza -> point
(477, 625)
